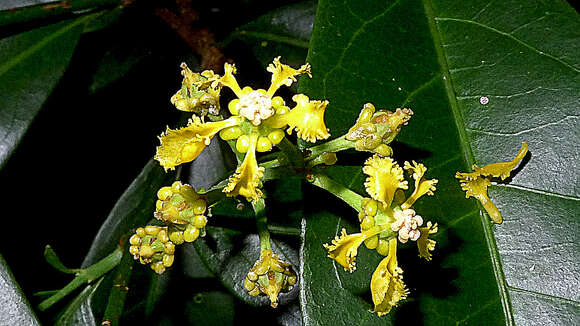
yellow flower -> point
(344, 248)
(475, 183)
(307, 118)
(387, 285)
(185, 144)
(385, 177)
(247, 177)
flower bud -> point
(151, 245)
(270, 276)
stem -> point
(118, 293)
(284, 230)
(87, 275)
(261, 223)
(291, 151)
(350, 197)
(333, 146)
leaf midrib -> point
(469, 160)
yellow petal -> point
(502, 169)
(284, 75)
(245, 180)
(422, 185)
(424, 244)
(344, 249)
(185, 144)
(384, 178)
(387, 285)
(307, 118)
(229, 80)
(477, 188)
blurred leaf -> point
(14, 308)
(25, 11)
(440, 58)
(31, 64)
(52, 258)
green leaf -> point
(14, 308)
(440, 58)
(210, 308)
(31, 64)
(52, 258)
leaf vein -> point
(508, 35)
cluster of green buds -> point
(197, 93)
(183, 210)
(184, 213)
(270, 276)
(374, 131)
(151, 245)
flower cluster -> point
(184, 213)
(257, 122)
(384, 217)
(270, 276)
(475, 183)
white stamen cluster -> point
(256, 106)
(407, 224)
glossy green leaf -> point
(14, 308)
(481, 78)
(31, 64)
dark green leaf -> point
(210, 308)
(31, 65)
(14, 308)
(440, 58)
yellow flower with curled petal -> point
(256, 123)
(245, 180)
(307, 118)
(387, 285)
(344, 248)
(185, 144)
(475, 183)
(385, 177)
